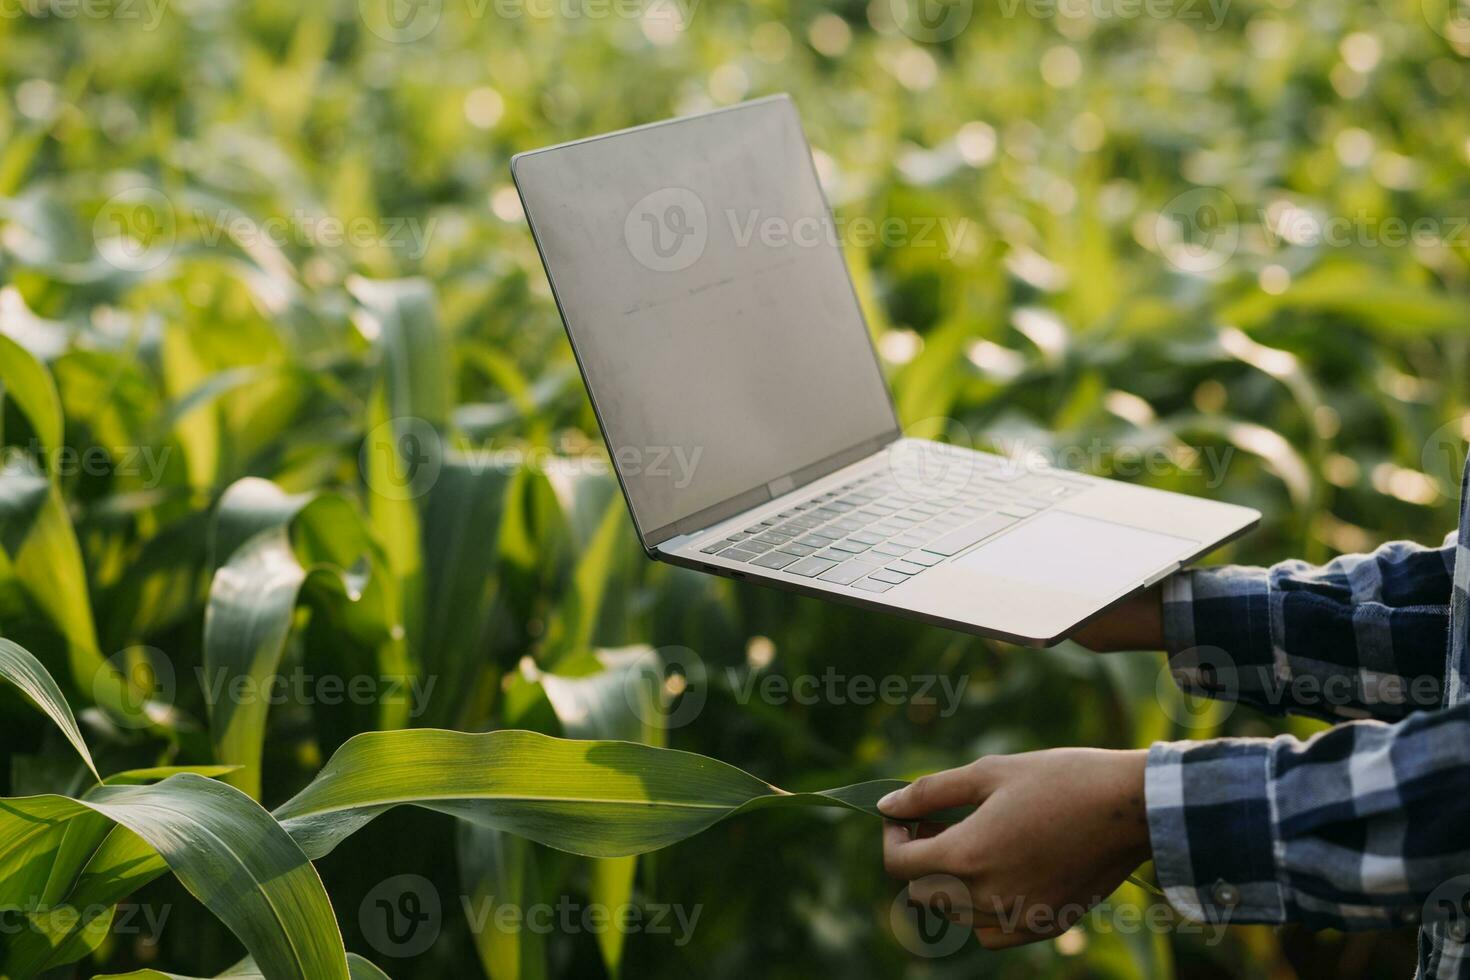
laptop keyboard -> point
(883, 528)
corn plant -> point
(287, 409)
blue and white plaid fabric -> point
(1364, 825)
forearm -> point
(1136, 623)
(1354, 828)
(1362, 636)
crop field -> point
(298, 471)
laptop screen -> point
(699, 273)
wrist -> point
(1130, 807)
(1136, 623)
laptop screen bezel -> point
(758, 494)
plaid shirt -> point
(1365, 825)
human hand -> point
(1136, 623)
(1055, 833)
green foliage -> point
(288, 407)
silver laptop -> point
(705, 294)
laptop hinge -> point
(697, 523)
(1158, 577)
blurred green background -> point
(1219, 248)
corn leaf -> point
(357, 968)
(597, 798)
(20, 668)
(252, 600)
(229, 854)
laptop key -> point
(870, 585)
(772, 538)
(798, 549)
(866, 537)
(922, 558)
(958, 540)
(715, 548)
(890, 550)
(848, 544)
(810, 567)
(884, 575)
(848, 572)
(906, 567)
(737, 554)
(776, 559)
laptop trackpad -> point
(1077, 554)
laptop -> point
(704, 291)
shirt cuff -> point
(1218, 635)
(1211, 827)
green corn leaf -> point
(229, 854)
(252, 601)
(600, 799)
(357, 968)
(47, 560)
(499, 868)
(614, 699)
(20, 668)
(459, 525)
(28, 384)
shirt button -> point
(1226, 894)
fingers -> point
(938, 791)
(909, 857)
(945, 894)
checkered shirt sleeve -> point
(1360, 637)
(1357, 827)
